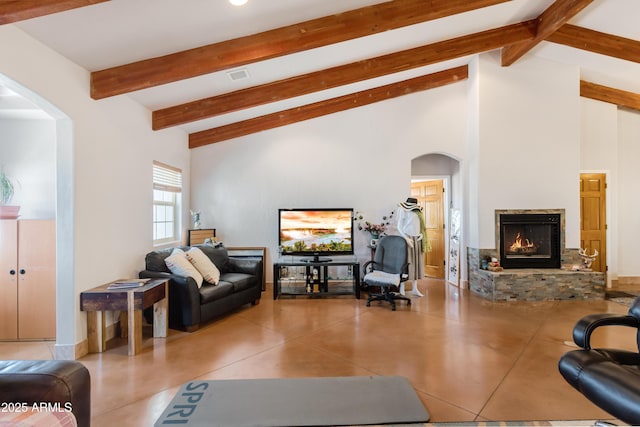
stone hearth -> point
(534, 284)
(539, 285)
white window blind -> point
(167, 178)
(167, 190)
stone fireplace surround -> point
(533, 284)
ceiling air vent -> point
(240, 74)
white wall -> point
(599, 154)
(599, 135)
(359, 158)
(529, 141)
(470, 210)
(629, 202)
(110, 152)
(611, 145)
(28, 156)
(434, 164)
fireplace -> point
(531, 246)
(529, 240)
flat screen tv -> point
(315, 232)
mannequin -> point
(411, 227)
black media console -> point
(316, 278)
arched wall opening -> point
(448, 169)
(64, 216)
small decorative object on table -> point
(587, 260)
(195, 217)
(6, 195)
(127, 283)
(494, 265)
(376, 230)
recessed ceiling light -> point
(238, 2)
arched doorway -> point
(62, 137)
(436, 183)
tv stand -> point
(316, 259)
(316, 277)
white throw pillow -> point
(178, 263)
(204, 265)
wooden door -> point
(430, 195)
(8, 281)
(593, 225)
(37, 279)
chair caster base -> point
(390, 297)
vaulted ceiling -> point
(219, 71)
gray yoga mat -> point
(324, 401)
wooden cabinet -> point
(8, 279)
(27, 279)
(198, 236)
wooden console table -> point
(130, 301)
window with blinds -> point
(167, 192)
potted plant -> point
(7, 189)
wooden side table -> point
(132, 301)
(198, 236)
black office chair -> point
(388, 269)
(610, 378)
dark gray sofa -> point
(189, 306)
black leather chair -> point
(610, 378)
(388, 269)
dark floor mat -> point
(618, 294)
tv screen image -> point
(316, 231)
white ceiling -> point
(123, 31)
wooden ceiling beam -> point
(341, 75)
(274, 43)
(329, 106)
(554, 17)
(19, 10)
(618, 97)
(597, 42)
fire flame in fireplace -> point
(523, 245)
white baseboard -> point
(71, 351)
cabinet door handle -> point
(22, 271)
(12, 272)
